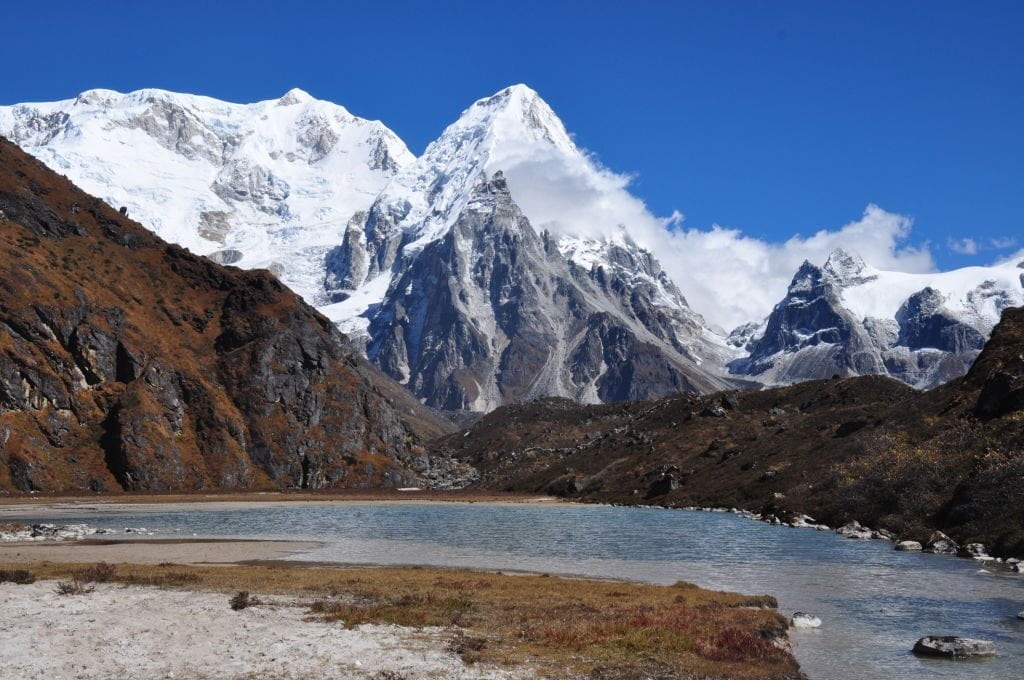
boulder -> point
(855, 530)
(953, 647)
(909, 546)
(805, 620)
(941, 544)
(1020, 615)
(974, 550)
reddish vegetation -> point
(867, 448)
(128, 363)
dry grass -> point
(562, 627)
(74, 587)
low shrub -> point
(18, 576)
(242, 600)
(101, 572)
(73, 587)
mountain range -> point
(457, 272)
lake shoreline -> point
(368, 621)
(304, 496)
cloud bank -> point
(726, 276)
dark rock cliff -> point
(811, 335)
(128, 363)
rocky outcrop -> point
(824, 327)
(953, 647)
(492, 313)
(127, 363)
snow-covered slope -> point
(849, 318)
(269, 185)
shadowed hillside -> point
(867, 448)
(128, 363)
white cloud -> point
(728, 277)
(963, 246)
(1003, 243)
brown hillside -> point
(866, 448)
(128, 363)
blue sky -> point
(774, 118)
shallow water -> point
(874, 602)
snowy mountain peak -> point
(845, 268)
(424, 200)
(258, 185)
(516, 115)
(849, 318)
(97, 97)
(295, 96)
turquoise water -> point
(874, 601)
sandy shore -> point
(263, 497)
(150, 551)
(15, 510)
(129, 632)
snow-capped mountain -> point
(469, 305)
(848, 318)
(450, 268)
(267, 185)
(498, 266)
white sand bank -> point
(133, 632)
(150, 551)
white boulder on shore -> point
(805, 620)
(909, 546)
(855, 530)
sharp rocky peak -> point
(844, 267)
(514, 117)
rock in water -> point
(855, 530)
(941, 544)
(974, 550)
(804, 620)
(908, 546)
(1020, 615)
(953, 647)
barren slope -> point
(129, 363)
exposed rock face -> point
(999, 372)
(129, 363)
(493, 313)
(836, 320)
(472, 306)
